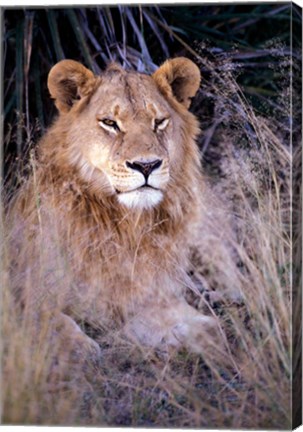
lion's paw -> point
(198, 333)
(80, 346)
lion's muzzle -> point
(144, 183)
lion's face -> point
(131, 128)
(127, 134)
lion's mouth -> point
(143, 197)
(139, 189)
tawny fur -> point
(103, 262)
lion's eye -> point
(109, 124)
(160, 124)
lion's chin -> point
(142, 198)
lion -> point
(110, 211)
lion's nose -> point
(146, 168)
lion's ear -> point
(69, 81)
(178, 77)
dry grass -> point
(244, 251)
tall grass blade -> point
(140, 38)
(109, 23)
(54, 31)
(91, 37)
(124, 33)
(19, 83)
(28, 41)
(156, 32)
(84, 49)
(38, 91)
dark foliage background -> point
(250, 38)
